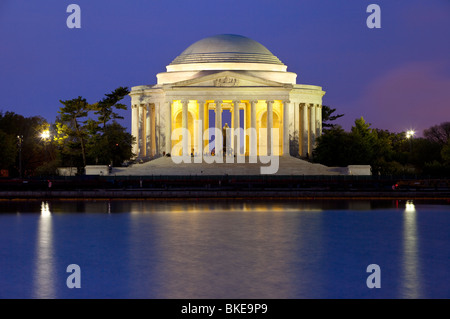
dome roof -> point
(226, 48)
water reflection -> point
(143, 207)
(192, 205)
(410, 207)
(225, 254)
(227, 249)
(45, 209)
(411, 280)
(44, 286)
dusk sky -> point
(396, 77)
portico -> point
(233, 73)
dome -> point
(226, 48)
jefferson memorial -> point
(227, 73)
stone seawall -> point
(143, 194)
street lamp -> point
(409, 135)
(45, 134)
(46, 138)
(19, 143)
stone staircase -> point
(288, 165)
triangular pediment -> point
(227, 79)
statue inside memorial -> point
(225, 137)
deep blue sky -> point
(396, 77)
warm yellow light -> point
(410, 207)
(410, 134)
(45, 209)
(45, 134)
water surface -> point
(222, 249)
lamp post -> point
(409, 135)
(19, 143)
(45, 135)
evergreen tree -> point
(8, 151)
(329, 116)
(113, 146)
(101, 139)
(105, 108)
(363, 142)
(35, 152)
(73, 116)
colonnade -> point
(143, 128)
(307, 127)
(299, 124)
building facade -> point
(227, 72)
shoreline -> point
(197, 195)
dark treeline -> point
(388, 153)
(83, 134)
(89, 134)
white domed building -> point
(227, 73)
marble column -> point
(253, 135)
(318, 120)
(269, 127)
(168, 105)
(246, 128)
(142, 141)
(312, 141)
(200, 130)
(135, 127)
(153, 128)
(184, 125)
(206, 126)
(218, 142)
(148, 130)
(304, 136)
(157, 117)
(297, 128)
(236, 124)
(286, 105)
(293, 148)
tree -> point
(114, 146)
(105, 108)
(438, 133)
(67, 144)
(424, 151)
(94, 136)
(34, 151)
(73, 115)
(108, 138)
(389, 155)
(334, 147)
(364, 140)
(8, 151)
(327, 116)
(445, 154)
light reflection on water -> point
(224, 255)
(44, 287)
(411, 280)
(303, 249)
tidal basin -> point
(225, 249)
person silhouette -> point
(224, 137)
